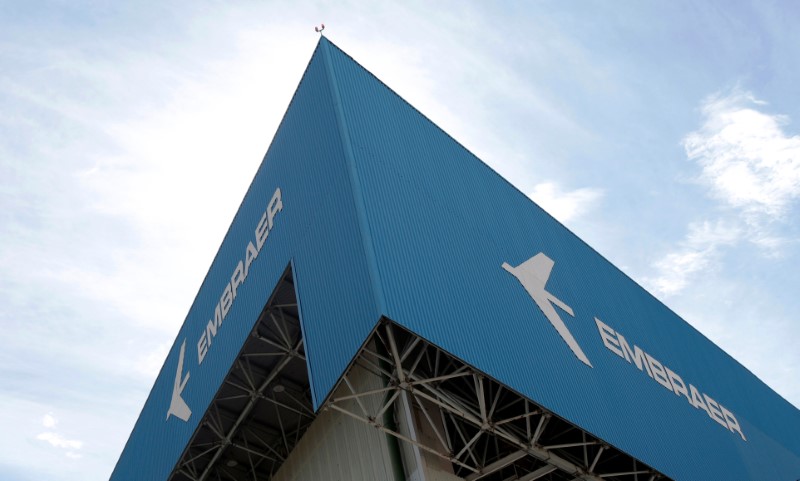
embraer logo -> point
(533, 275)
(214, 327)
(177, 406)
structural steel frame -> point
(264, 405)
(485, 430)
(444, 409)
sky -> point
(665, 134)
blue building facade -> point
(379, 214)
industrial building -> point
(384, 306)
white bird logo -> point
(177, 406)
(533, 275)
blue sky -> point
(665, 134)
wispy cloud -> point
(49, 421)
(565, 205)
(57, 440)
(747, 159)
(751, 167)
(112, 211)
(696, 253)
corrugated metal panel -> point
(318, 230)
(383, 213)
(339, 448)
(442, 224)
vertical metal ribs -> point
(482, 428)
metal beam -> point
(246, 411)
(539, 473)
(440, 383)
(497, 465)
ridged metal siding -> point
(442, 223)
(385, 214)
(339, 448)
(318, 230)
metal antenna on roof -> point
(320, 28)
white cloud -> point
(713, 234)
(771, 245)
(59, 441)
(696, 253)
(49, 421)
(565, 205)
(753, 168)
(747, 159)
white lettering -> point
(639, 357)
(211, 331)
(275, 206)
(669, 379)
(697, 399)
(678, 386)
(237, 278)
(226, 301)
(731, 421)
(609, 337)
(202, 348)
(250, 256)
(239, 275)
(262, 231)
(658, 371)
(713, 410)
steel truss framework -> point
(485, 430)
(264, 405)
(481, 428)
